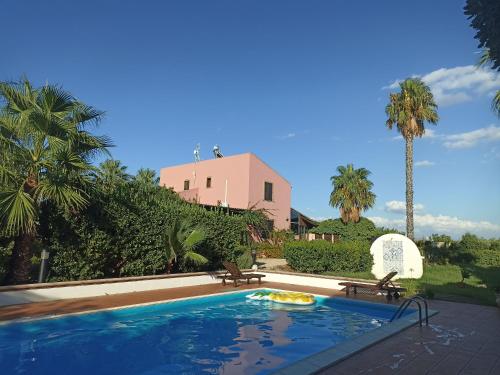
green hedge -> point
(322, 256)
(123, 234)
(487, 258)
(364, 230)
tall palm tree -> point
(111, 173)
(45, 156)
(409, 109)
(182, 242)
(486, 59)
(351, 192)
(146, 176)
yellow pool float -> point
(293, 298)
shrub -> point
(364, 230)
(322, 256)
(487, 258)
(472, 242)
(267, 250)
(5, 252)
(122, 233)
(244, 260)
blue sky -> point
(303, 84)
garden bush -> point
(267, 250)
(122, 233)
(243, 257)
(487, 258)
(5, 252)
(364, 230)
(322, 256)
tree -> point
(182, 243)
(409, 109)
(147, 177)
(111, 173)
(351, 192)
(45, 155)
(485, 19)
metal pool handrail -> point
(417, 299)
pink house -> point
(238, 181)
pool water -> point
(223, 334)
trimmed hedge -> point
(364, 230)
(322, 256)
(122, 233)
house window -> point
(209, 182)
(268, 191)
(186, 184)
(266, 233)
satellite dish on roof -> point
(217, 152)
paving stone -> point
(480, 364)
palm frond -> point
(495, 103)
(17, 211)
(193, 239)
(195, 258)
(56, 189)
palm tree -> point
(111, 173)
(146, 176)
(409, 109)
(486, 59)
(182, 243)
(351, 192)
(45, 155)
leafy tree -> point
(472, 242)
(485, 19)
(45, 155)
(182, 242)
(363, 230)
(409, 109)
(351, 192)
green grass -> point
(444, 281)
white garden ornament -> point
(395, 252)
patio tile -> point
(480, 364)
(453, 363)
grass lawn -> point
(444, 281)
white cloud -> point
(454, 226)
(286, 136)
(457, 85)
(472, 138)
(399, 207)
(424, 163)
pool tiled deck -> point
(461, 339)
(68, 306)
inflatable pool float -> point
(293, 298)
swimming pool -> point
(214, 334)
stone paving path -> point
(461, 339)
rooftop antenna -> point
(217, 152)
(196, 153)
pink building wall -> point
(245, 175)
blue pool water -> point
(225, 334)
